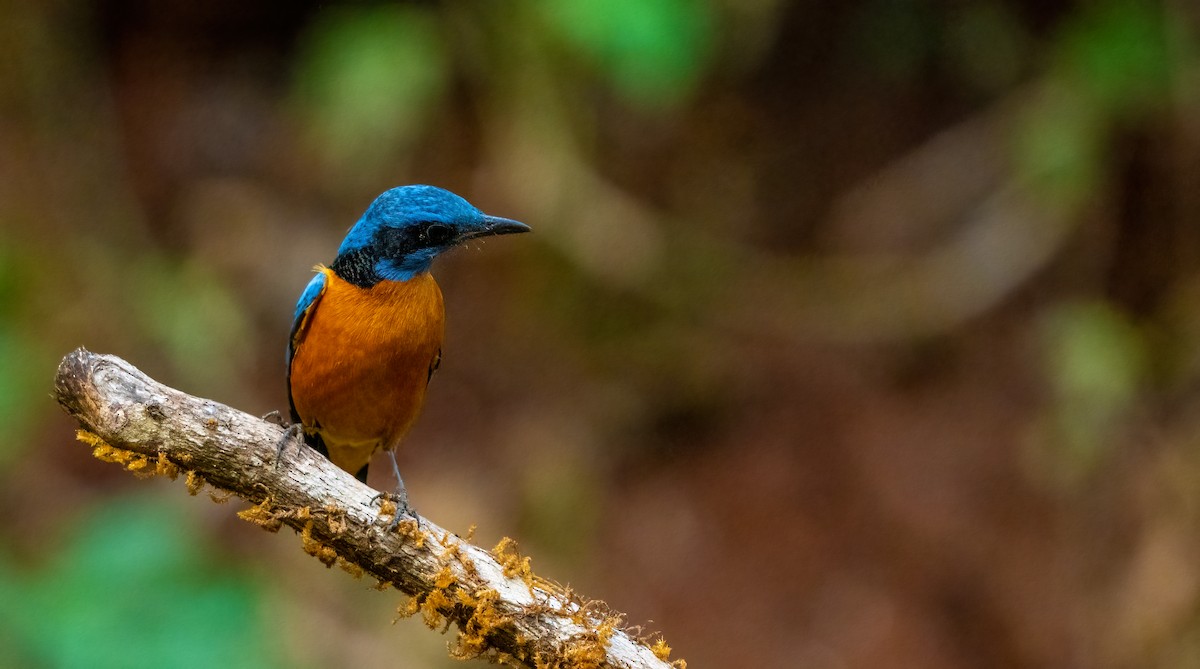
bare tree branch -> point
(502, 609)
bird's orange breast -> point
(361, 363)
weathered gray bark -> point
(502, 610)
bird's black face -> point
(400, 242)
(396, 252)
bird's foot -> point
(399, 500)
(400, 496)
(294, 432)
(276, 418)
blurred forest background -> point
(851, 334)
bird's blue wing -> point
(308, 300)
(304, 308)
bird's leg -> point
(399, 497)
(291, 432)
(294, 432)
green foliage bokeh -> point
(133, 586)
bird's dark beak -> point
(494, 225)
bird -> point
(367, 331)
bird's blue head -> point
(406, 228)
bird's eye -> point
(437, 233)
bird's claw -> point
(401, 496)
(399, 499)
(294, 432)
(276, 418)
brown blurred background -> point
(857, 334)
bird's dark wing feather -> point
(433, 365)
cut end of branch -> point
(73, 376)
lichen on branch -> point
(502, 610)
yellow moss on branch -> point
(480, 613)
(326, 554)
(195, 483)
(434, 607)
(350, 568)
(445, 578)
(660, 649)
(387, 507)
(475, 631)
(91, 439)
(104, 452)
(166, 468)
(409, 609)
(262, 515)
(513, 563)
(140, 465)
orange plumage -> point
(362, 360)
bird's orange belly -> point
(359, 372)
